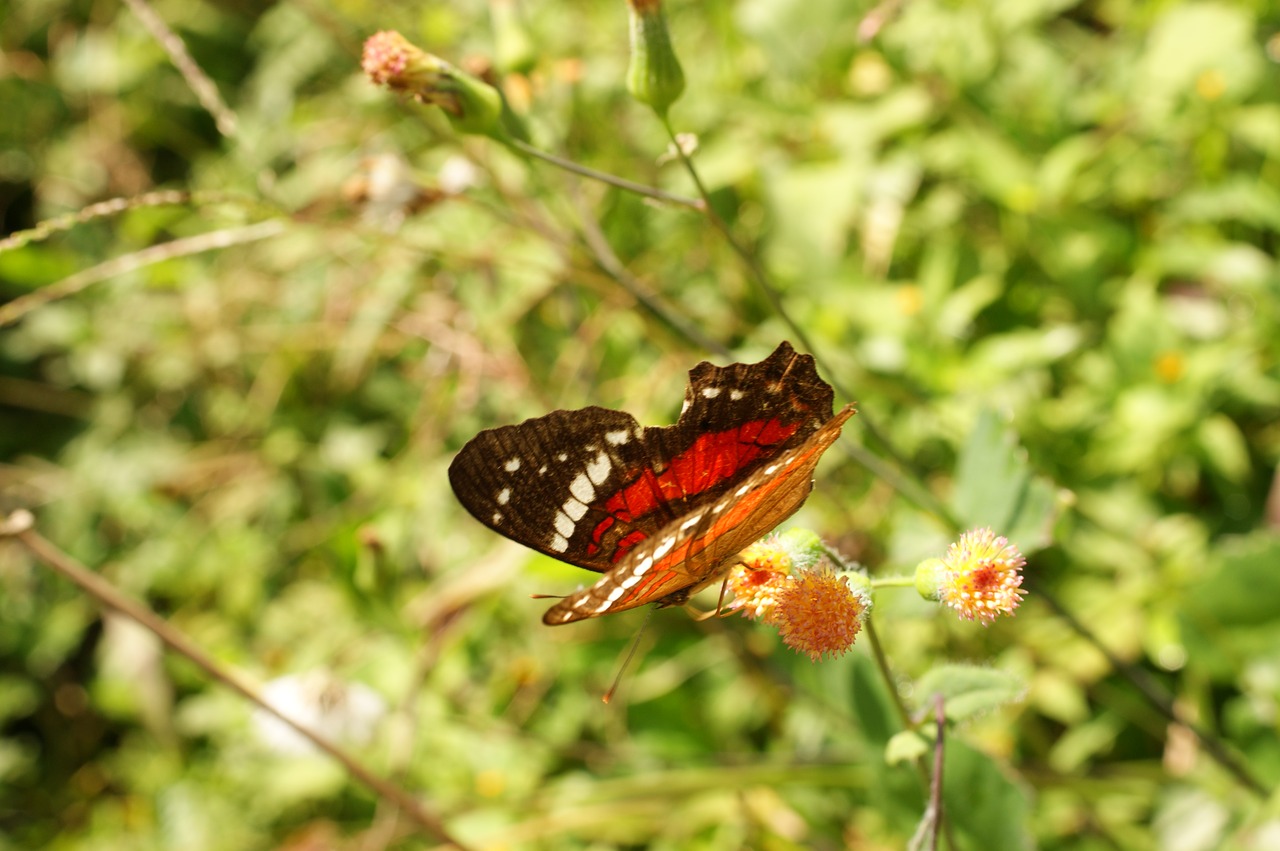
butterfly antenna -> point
(607, 697)
(547, 596)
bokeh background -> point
(1035, 241)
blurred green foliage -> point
(1037, 240)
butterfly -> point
(660, 511)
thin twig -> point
(605, 177)
(114, 206)
(72, 284)
(612, 266)
(877, 650)
(20, 525)
(205, 91)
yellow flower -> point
(819, 612)
(762, 571)
(980, 577)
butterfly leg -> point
(719, 610)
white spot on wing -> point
(559, 544)
(692, 521)
(512, 465)
(771, 469)
(598, 470)
(542, 470)
(504, 496)
(617, 438)
(665, 547)
(562, 457)
(497, 517)
(735, 395)
(740, 491)
(710, 392)
(581, 488)
(575, 509)
(564, 525)
(616, 593)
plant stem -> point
(609, 263)
(893, 582)
(882, 663)
(1156, 695)
(22, 305)
(604, 177)
(876, 582)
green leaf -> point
(1245, 588)
(906, 746)
(1225, 448)
(987, 806)
(967, 690)
(871, 705)
(1192, 39)
(995, 487)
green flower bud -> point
(803, 545)
(654, 76)
(859, 582)
(473, 106)
(929, 577)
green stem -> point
(612, 266)
(886, 673)
(604, 177)
(876, 582)
(893, 582)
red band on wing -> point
(662, 572)
(711, 459)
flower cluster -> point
(785, 582)
(821, 611)
(980, 577)
(816, 610)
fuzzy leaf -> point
(968, 690)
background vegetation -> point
(1036, 241)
